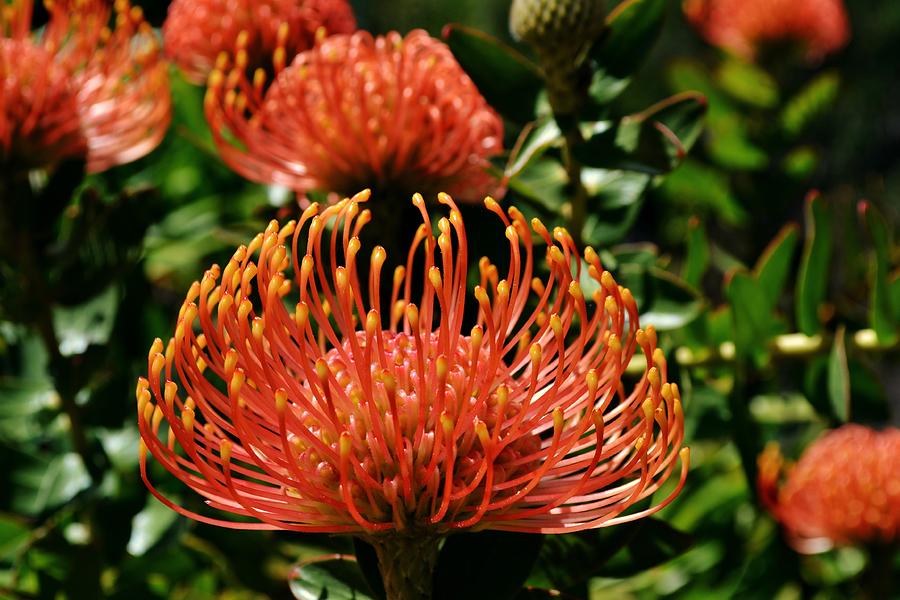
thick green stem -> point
(407, 565)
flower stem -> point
(407, 565)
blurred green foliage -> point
(780, 315)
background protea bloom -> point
(845, 489)
(820, 26)
(80, 89)
(197, 31)
(396, 114)
(395, 423)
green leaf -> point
(697, 259)
(149, 526)
(568, 561)
(751, 317)
(839, 377)
(631, 30)
(615, 201)
(536, 138)
(699, 188)
(13, 535)
(654, 141)
(508, 80)
(815, 266)
(488, 565)
(810, 103)
(48, 484)
(882, 312)
(334, 576)
(666, 302)
(774, 266)
(543, 182)
(748, 83)
(88, 324)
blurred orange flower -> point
(79, 88)
(346, 416)
(396, 114)
(197, 31)
(845, 489)
(742, 26)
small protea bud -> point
(560, 31)
(556, 27)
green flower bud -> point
(557, 28)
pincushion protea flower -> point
(79, 88)
(393, 113)
(197, 31)
(394, 423)
(845, 489)
(821, 26)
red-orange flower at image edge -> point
(845, 489)
(91, 84)
(196, 32)
(396, 114)
(285, 396)
(742, 27)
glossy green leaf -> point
(697, 258)
(90, 323)
(666, 302)
(839, 377)
(810, 103)
(700, 188)
(336, 577)
(149, 526)
(632, 28)
(508, 80)
(774, 266)
(544, 182)
(487, 565)
(751, 316)
(48, 484)
(748, 83)
(568, 561)
(13, 535)
(815, 266)
(615, 201)
(882, 313)
(654, 141)
(536, 138)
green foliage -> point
(687, 187)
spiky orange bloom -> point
(845, 489)
(80, 88)
(321, 419)
(391, 113)
(197, 31)
(821, 26)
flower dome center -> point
(414, 418)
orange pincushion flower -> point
(845, 489)
(391, 113)
(741, 27)
(197, 31)
(80, 88)
(345, 416)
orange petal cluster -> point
(845, 489)
(287, 397)
(396, 114)
(196, 32)
(91, 84)
(741, 27)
